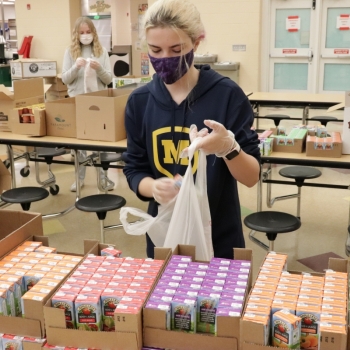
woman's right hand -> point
(80, 62)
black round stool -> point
(277, 118)
(299, 174)
(48, 154)
(324, 119)
(272, 223)
(100, 204)
(24, 196)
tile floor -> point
(324, 215)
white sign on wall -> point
(343, 22)
(293, 23)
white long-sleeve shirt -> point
(73, 77)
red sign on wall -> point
(341, 51)
(289, 51)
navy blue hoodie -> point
(158, 129)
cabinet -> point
(11, 23)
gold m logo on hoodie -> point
(166, 152)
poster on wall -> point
(100, 6)
(144, 64)
(142, 8)
(293, 23)
(343, 22)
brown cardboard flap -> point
(154, 318)
(251, 346)
(252, 332)
(185, 341)
(243, 254)
(97, 340)
(228, 326)
(25, 88)
(332, 341)
(5, 93)
(91, 247)
(339, 265)
(54, 317)
(28, 327)
(31, 346)
(162, 253)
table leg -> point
(12, 165)
(305, 115)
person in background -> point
(182, 102)
(85, 49)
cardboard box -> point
(294, 142)
(100, 115)
(26, 92)
(253, 334)
(56, 84)
(329, 147)
(61, 118)
(155, 333)
(127, 335)
(33, 68)
(52, 95)
(346, 125)
(5, 178)
(36, 125)
(130, 79)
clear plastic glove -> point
(80, 62)
(94, 65)
(165, 189)
(219, 142)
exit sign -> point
(239, 47)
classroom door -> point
(309, 46)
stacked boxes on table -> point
(311, 307)
(328, 146)
(294, 142)
(58, 90)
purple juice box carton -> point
(230, 304)
(161, 305)
(182, 258)
(170, 276)
(168, 283)
(198, 265)
(159, 297)
(207, 303)
(165, 290)
(214, 287)
(235, 289)
(215, 280)
(183, 313)
(236, 282)
(193, 278)
(213, 272)
(175, 271)
(196, 272)
(190, 284)
(177, 265)
(243, 263)
(190, 292)
(228, 294)
(232, 312)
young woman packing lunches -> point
(86, 68)
(183, 102)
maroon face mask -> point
(171, 69)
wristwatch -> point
(234, 152)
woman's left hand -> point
(94, 65)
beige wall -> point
(120, 14)
(50, 22)
(229, 22)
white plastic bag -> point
(90, 77)
(184, 220)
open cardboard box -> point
(33, 324)
(61, 118)
(128, 327)
(296, 144)
(155, 333)
(252, 334)
(26, 92)
(35, 128)
(329, 147)
(100, 115)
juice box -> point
(31, 296)
(166, 306)
(206, 279)
(47, 250)
(175, 277)
(68, 288)
(286, 330)
(181, 258)
(189, 292)
(53, 256)
(88, 312)
(256, 308)
(334, 328)
(261, 319)
(11, 342)
(262, 293)
(126, 299)
(310, 318)
(333, 309)
(65, 301)
(265, 286)
(278, 305)
(334, 319)
(207, 304)
(7, 304)
(193, 272)
(311, 300)
(160, 297)
(30, 279)
(168, 283)
(110, 251)
(336, 274)
(36, 255)
(31, 244)
(335, 294)
(183, 314)
(127, 309)
(195, 285)
(177, 265)
(198, 265)
(110, 298)
(140, 285)
(17, 280)
(215, 273)
(42, 268)
(288, 289)
(13, 289)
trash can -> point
(228, 69)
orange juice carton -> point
(24, 266)
(342, 287)
(7, 302)
(73, 258)
(311, 284)
(259, 301)
(61, 269)
(30, 279)
(309, 299)
(18, 253)
(308, 277)
(16, 272)
(111, 251)
(31, 244)
(47, 250)
(88, 312)
(290, 281)
(285, 330)
(262, 293)
(310, 328)
(334, 302)
(334, 328)
(56, 275)
(17, 280)
(25, 249)
(278, 305)
(334, 319)
(166, 306)
(3, 270)
(267, 278)
(46, 282)
(42, 268)
(311, 292)
(68, 288)
(270, 272)
(207, 304)
(11, 259)
(66, 264)
(54, 256)
(261, 319)
(30, 260)
(336, 274)
(287, 288)
(12, 342)
(31, 296)
(36, 255)
(335, 294)
(257, 308)
(265, 286)
(276, 256)
(286, 297)
(287, 274)
(333, 309)
(272, 266)
(50, 262)
(110, 298)
(16, 291)
(65, 301)
(183, 314)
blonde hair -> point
(75, 47)
(176, 14)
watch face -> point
(231, 155)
